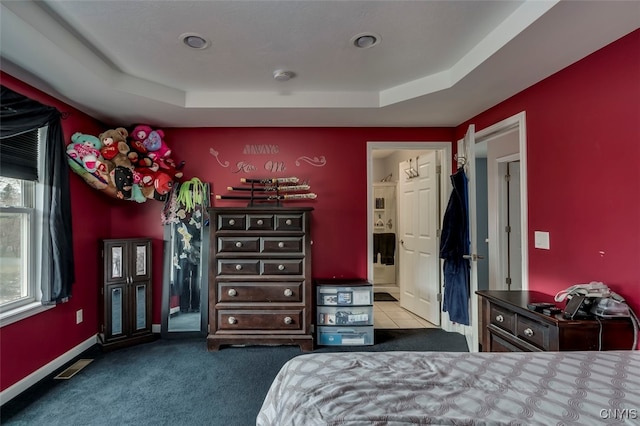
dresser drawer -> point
(257, 292)
(289, 222)
(533, 332)
(238, 244)
(238, 267)
(260, 222)
(282, 267)
(282, 245)
(232, 222)
(257, 319)
(502, 318)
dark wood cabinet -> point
(260, 277)
(126, 292)
(509, 326)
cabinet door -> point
(140, 307)
(140, 260)
(116, 268)
(116, 307)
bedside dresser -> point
(260, 277)
(509, 326)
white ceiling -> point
(438, 63)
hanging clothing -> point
(454, 244)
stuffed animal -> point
(138, 154)
(116, 150)
(85, 150)
(153, 140)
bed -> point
(453, 388)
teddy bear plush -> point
(85, 150)
(153, 140)
(138, 154)
(115, 149)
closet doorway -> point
(385, 161)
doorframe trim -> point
(517, 121)
(445, 186)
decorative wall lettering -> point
(315, 161)
(261, 149)
(275, 166)
(215, 154)
(243, 166)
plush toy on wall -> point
(153, 140)
(85, 150)
(115, 149)
(121, 165)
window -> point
(20, 238)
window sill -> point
(22, 312)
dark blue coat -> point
(454, 244)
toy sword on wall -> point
(272, 181)
(307, 196)
(285, 188)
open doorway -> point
(387, 214)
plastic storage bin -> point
(345, 336)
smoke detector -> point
(283, 75)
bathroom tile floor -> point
(391, 315)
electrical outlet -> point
(78, 316)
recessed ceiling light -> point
(282, 75)
(365, 40)
(194, 41)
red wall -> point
(27, 345)
(583, 148)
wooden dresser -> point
(260, 277)
(509, 326)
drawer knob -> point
(280, 267)
(288, 222)
(260, 222)
(232, 320)
(232, 292)
(238, 267)
(232, 222)
(500, 318)
(528, 332)
(238, 244)
(288, 292)
(281, 244)
(288, 320)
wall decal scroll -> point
(315, 161)
(215, 154)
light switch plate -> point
(541, 240)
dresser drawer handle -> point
(281, 244)
(280, 267)
(528, 332)
(232, 320)
(238, 244)
(238, 267)
(288, 222)
(288, 292)
(260, 222)
(232, 222)
(288, 320)
(500, 318)
(232, 292)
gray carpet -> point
(178, 382)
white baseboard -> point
(33, 378)
(156, 328)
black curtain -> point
(19, 114)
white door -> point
(419, 273)
(466, 148)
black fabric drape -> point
(19, 114)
